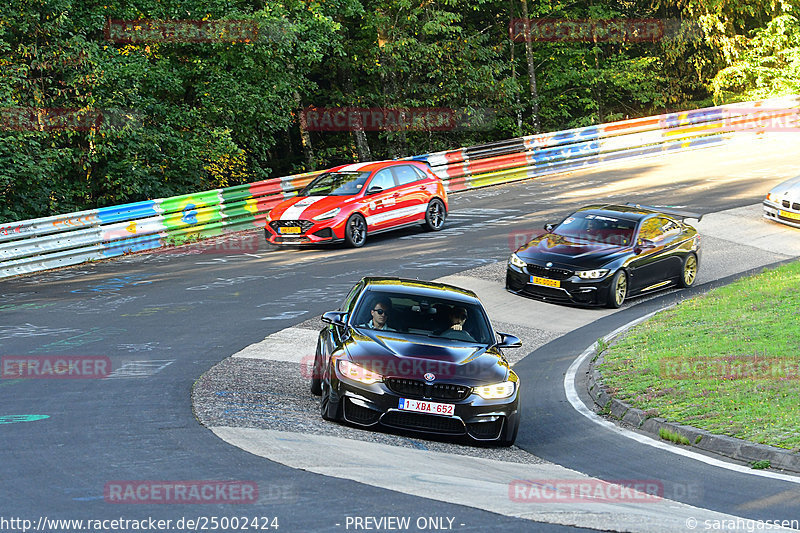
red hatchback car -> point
(348, 202)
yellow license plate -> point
(290, 229)
(536, 280)
(787, 214)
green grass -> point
(727, 361)
(672, 436)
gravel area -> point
(274, 395)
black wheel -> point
(618, 290)
(316, 373)
(689, 272)
(330, 406)
(355, 232)
(435, 215)
(509, 431)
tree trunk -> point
(518, 105)
(362, 146)
(531, 69)
(305, 137)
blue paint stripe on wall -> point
(121, 213)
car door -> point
(655, 260)
(381, 200)
(412, 194)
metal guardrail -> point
(73, 238)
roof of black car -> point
(419, 287)
(623, 211)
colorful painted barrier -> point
(40, 244)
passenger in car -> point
(458, 316)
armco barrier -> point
(44, 243)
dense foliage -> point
(89, 120)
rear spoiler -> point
(678, 213)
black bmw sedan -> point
(603, 254)
(417, 356)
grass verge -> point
(727, 362)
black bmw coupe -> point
(603, 254)
(417, 356)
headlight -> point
(495, 391)
(592, 274)
(268, 219)
(516, 261)
(358, 373)
(328, 214)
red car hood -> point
(307, 207)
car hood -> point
(789, 190)
(570, 253)
(394, 354)
(307, 207)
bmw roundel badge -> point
(548, 264)
(429, 376)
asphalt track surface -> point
(165, 319)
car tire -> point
(435, 215)
(316, 373)
(509, 435)
(355, 231)
(618, 290)
(330, 406)
(689, 271)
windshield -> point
(336, 184)
(430, 317)
(591, 227)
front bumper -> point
(376, 404)
(571, 290)
(784, 215)
(311, 232)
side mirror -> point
(336, 318)
(374, 190)
(549, 227)
(508, 341)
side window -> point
(405, 174)
(670, 227)
(651, 229)
(421, 173)
(383, 179)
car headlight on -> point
(592, 274)
(358, 373)
(328, 214)
(516, 261)
(496, 391)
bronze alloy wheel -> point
(689, 271)
(618, 290)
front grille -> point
(358, 414)
(305, 225)
(796, 206)
(485, 430)
(551, 273)
(411, 388)
(786, 204)
(292, 240)
(546, 292)
(423, 422)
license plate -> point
(536, 280)
(787, 214)
(289, 229)
(427, 407)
